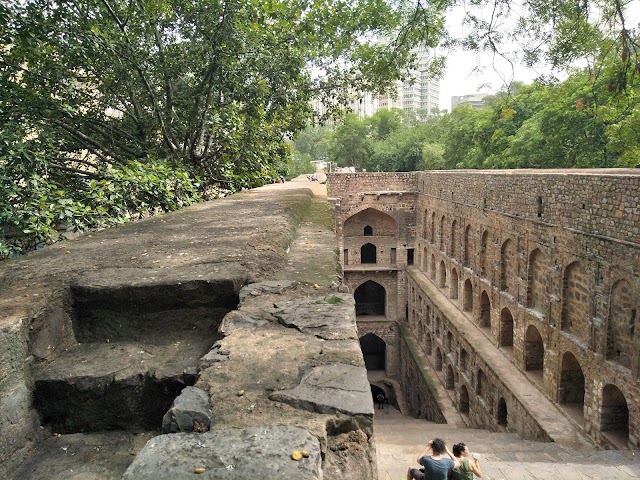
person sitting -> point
(436, 465)
(469, 466)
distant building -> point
(422, 92)
(475, 100)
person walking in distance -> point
(469, 465)
(380, 400)
(436, 460)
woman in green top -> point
(468, 466)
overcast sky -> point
(459, 78)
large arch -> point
(380, 223)
(575, 305)
(374, 351)
(370, 299)
(614, 416)
(533, 350)
(571, 384)
(441, 238)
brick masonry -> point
(546, 263)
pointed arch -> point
(572, 384)
(507, 266)
(533, 350)
(481, 383)
(463, 401)
(482, 256)
(374, 351)
(537, 281)
(575, 301)
(441, 237)
(453, 284)
(464, 360)
(425, 224)
(622, 330)
(438, 359)
(432, 267)
(506, 328)
(450, 379)
(425, 258)
(442, 275)
(484, 320)
(468, 296)
(501, 412)
(466, 246)
(433, 227)
(370, 298)
(379, 222)
(453, 239)
(614, 415)
(368, 253)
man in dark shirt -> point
(436, 466)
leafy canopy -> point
(212, 88)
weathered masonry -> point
(545, 265)
(216, 337)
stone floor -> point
(504, 456)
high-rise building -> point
(422, 91)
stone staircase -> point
(504, 456)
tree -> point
(213, 88)
(350, 145)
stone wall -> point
(138, 295)
(546, 264)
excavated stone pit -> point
(139, 346)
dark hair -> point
(437, 445)
(458, 448)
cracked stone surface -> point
(329, 389)
(327, 317)
(227, 453)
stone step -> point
(504, 456)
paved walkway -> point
(504, 456)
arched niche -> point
(379, 222)
(374, 351)
(368, 253)
(370, 298)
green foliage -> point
(99, 90)
(36, 206)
